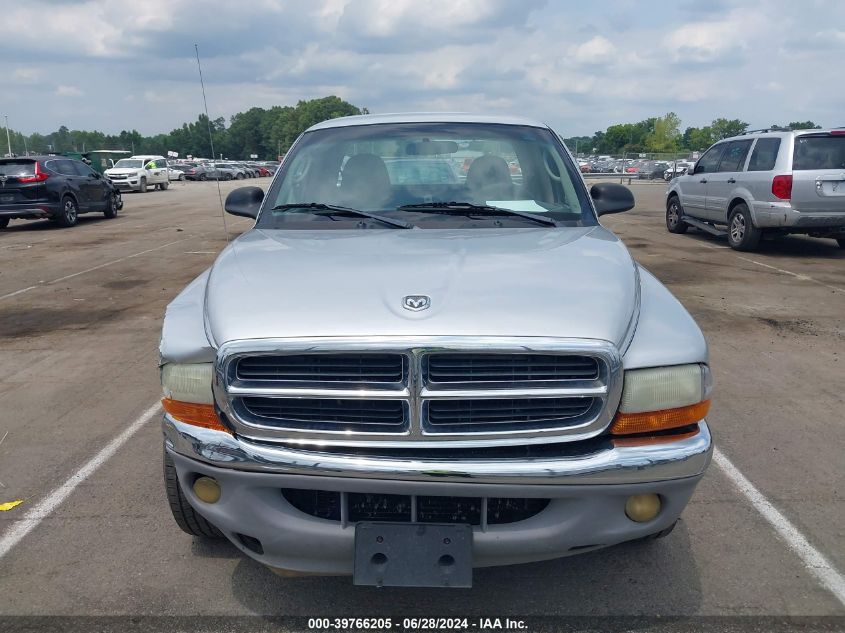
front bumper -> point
(133, 183)
(586, 510)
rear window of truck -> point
(814, 152)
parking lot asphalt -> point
(80, 317)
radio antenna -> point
(211, 142)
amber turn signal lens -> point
(202, 415)
(650, 421)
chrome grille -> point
(327, 368)
(429, 391)
(508, 368)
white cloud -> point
(713, 40)
(68, 91)
(594, 51)
(26, 75)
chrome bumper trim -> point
(619, 465)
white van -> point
(136, 173)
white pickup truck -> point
(139, 172)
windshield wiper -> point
(468, 208)
(333, 209)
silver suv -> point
(764, 182)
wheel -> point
(4, 222)
(142, 188)
(840, 241)
(742, 234)
(180, 177)
(186, 517)
(163, 186)
(674, 213)
(111, 206)
(240, 176)
(69, 213)
(228, 177)
(203, 177)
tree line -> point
(663, 135)
(266, 132)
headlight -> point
(662, 398)
(187, 394)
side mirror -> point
(245, 201)
(608, 197)
(692, 169)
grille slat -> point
(456, 415)
(317, 368)
(388, 416)
(468, 368)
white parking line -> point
(813, 559)
(789, 272)
(56, 497)
(93, 268)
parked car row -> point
(221, 170)
(641, 168)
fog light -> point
(207, 489)
(642, 508)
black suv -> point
(54, 187)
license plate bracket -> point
(413, 555)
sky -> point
(578, 66)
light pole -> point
(8, 139)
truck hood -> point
(577, 282)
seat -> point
(489, 178)
(365, 183)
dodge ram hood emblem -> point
(415, 303)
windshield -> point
(384, 168)
(129, 162)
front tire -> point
(674, 215)
(142, 187)
(111, 207)
(69, 214)
(183, 513)
(742, 234)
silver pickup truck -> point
(402, 380)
